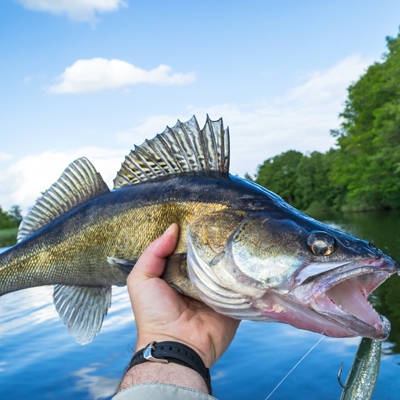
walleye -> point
(242, 250)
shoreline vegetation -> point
(9, 223)
(361, 174)
(8, 237)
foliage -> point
(9, 222)
(279, 174)
(368, 166)
(302, 180)
(8, 237)
(363, 173)
(10, 219)
(315, 188)
(15, 214)
(248, 177)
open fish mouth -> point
(341, 296)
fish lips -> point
(341, 296)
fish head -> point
(284, 266)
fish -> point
(242, 250)
(361, 381)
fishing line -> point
(301, 359)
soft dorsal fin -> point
(78, 183)
(183, 148)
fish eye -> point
(321, 243)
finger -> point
(166, 244)
(152, 261)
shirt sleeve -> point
(161, 391)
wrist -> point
(169, 374)
(144, 340)
(166, 352)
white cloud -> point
(5, 156)
(24, 181)
(102, 74)
(149, 128)
(331, 84)
(79, 10)
(299, 120)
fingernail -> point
(169, 229)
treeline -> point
(302, 180)
(9, 223)
(10, 219)
(363, 172)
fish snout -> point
(391, 265)
(374, 251)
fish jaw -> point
(337, 300)
(324, 297)
(280, 308)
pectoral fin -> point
(82, 309)
(124, 265)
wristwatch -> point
(178, 353)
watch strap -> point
(174, 352)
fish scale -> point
(242, 250)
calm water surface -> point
(40, 360)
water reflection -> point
(120, 312)
(98, 386)
(2, 363)
(388, 304)
(21, 311)
(36, 345)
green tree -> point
(15, 214)
(315, 190)
(5, 220)
(279, 174)
(10, 219)
(248, 177)
(368, 162)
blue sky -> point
(93, 77)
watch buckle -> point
(149, 356)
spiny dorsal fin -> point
(78, 183)
(183, 148)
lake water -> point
(40, 360)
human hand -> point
(163, 314)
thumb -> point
(152, 261)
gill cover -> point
(235, 257)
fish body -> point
(361, 381)
(74, 248)
(242, 250)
